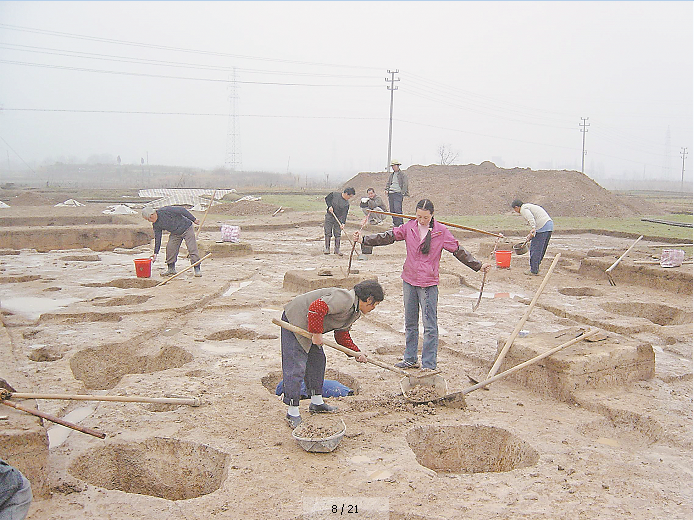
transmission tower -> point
(683, 153)
(392, 89)
(232, 161)
(584, 130)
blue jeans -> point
(395, 203)
(426, 298)
(17, 506)
(538, 247)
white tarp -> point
(119, 209)
(3, 205)
(183, 192)
(69, 202)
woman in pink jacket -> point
(425, 240)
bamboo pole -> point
(515, 332)
(184, 270)
(499, 235)
(526, 363)
(192, 401)
(609, 269)
(54, 419)
(205, 215)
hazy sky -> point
(502, 81)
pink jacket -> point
(423, 270)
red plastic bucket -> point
(503, 259)
(143, 267)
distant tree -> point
(446, 155)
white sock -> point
(293, 411)
(316, 399)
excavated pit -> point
(579, 291)
(240, 333)
(164, 468)
(470, 449)
(126, 283)
(124, 300)
(655, 312)
(271, 380)
(81, 258)
(102, 368)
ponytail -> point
(427, 205)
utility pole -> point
(392, 89)
(683, 153)
(232, 161)
(583, 131)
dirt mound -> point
(29, 198)
(485, 189)
(245, 207)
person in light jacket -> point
(425, 239)
(541, 231)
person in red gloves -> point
(303, 359)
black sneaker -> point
(406, 364)
(293, 421)
(321, 408)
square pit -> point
(612, 362)
(304, 281)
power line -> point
(164, 63)
(139, 74)
(169, 48)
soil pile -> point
(245, 208)
(27, 198)
(486, 189)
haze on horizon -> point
(506, 82)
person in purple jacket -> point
(425, 239)
(178, 221)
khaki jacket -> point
(343, 311)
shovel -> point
(429, 379)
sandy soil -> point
(87, 325)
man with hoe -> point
(178, 221)
(336, 216)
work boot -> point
(321, 408)
(293, 421)
(338, 253)
(198, 274)
(326, 251)
(170, 271)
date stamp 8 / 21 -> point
(356, 508)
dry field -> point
(598, 430)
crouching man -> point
(303, 359)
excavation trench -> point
(470, 449)
(164, 468)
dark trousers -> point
(331, 228)
(299, 365)
(538, 247)
(395, 203)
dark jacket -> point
(339, 204)
(174, 219)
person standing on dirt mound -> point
(336, 216)
(303, 359)
(542, 227)
(396, 190)
(178, 221)
(425, 239)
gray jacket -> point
(402, 181)
(343, 310)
